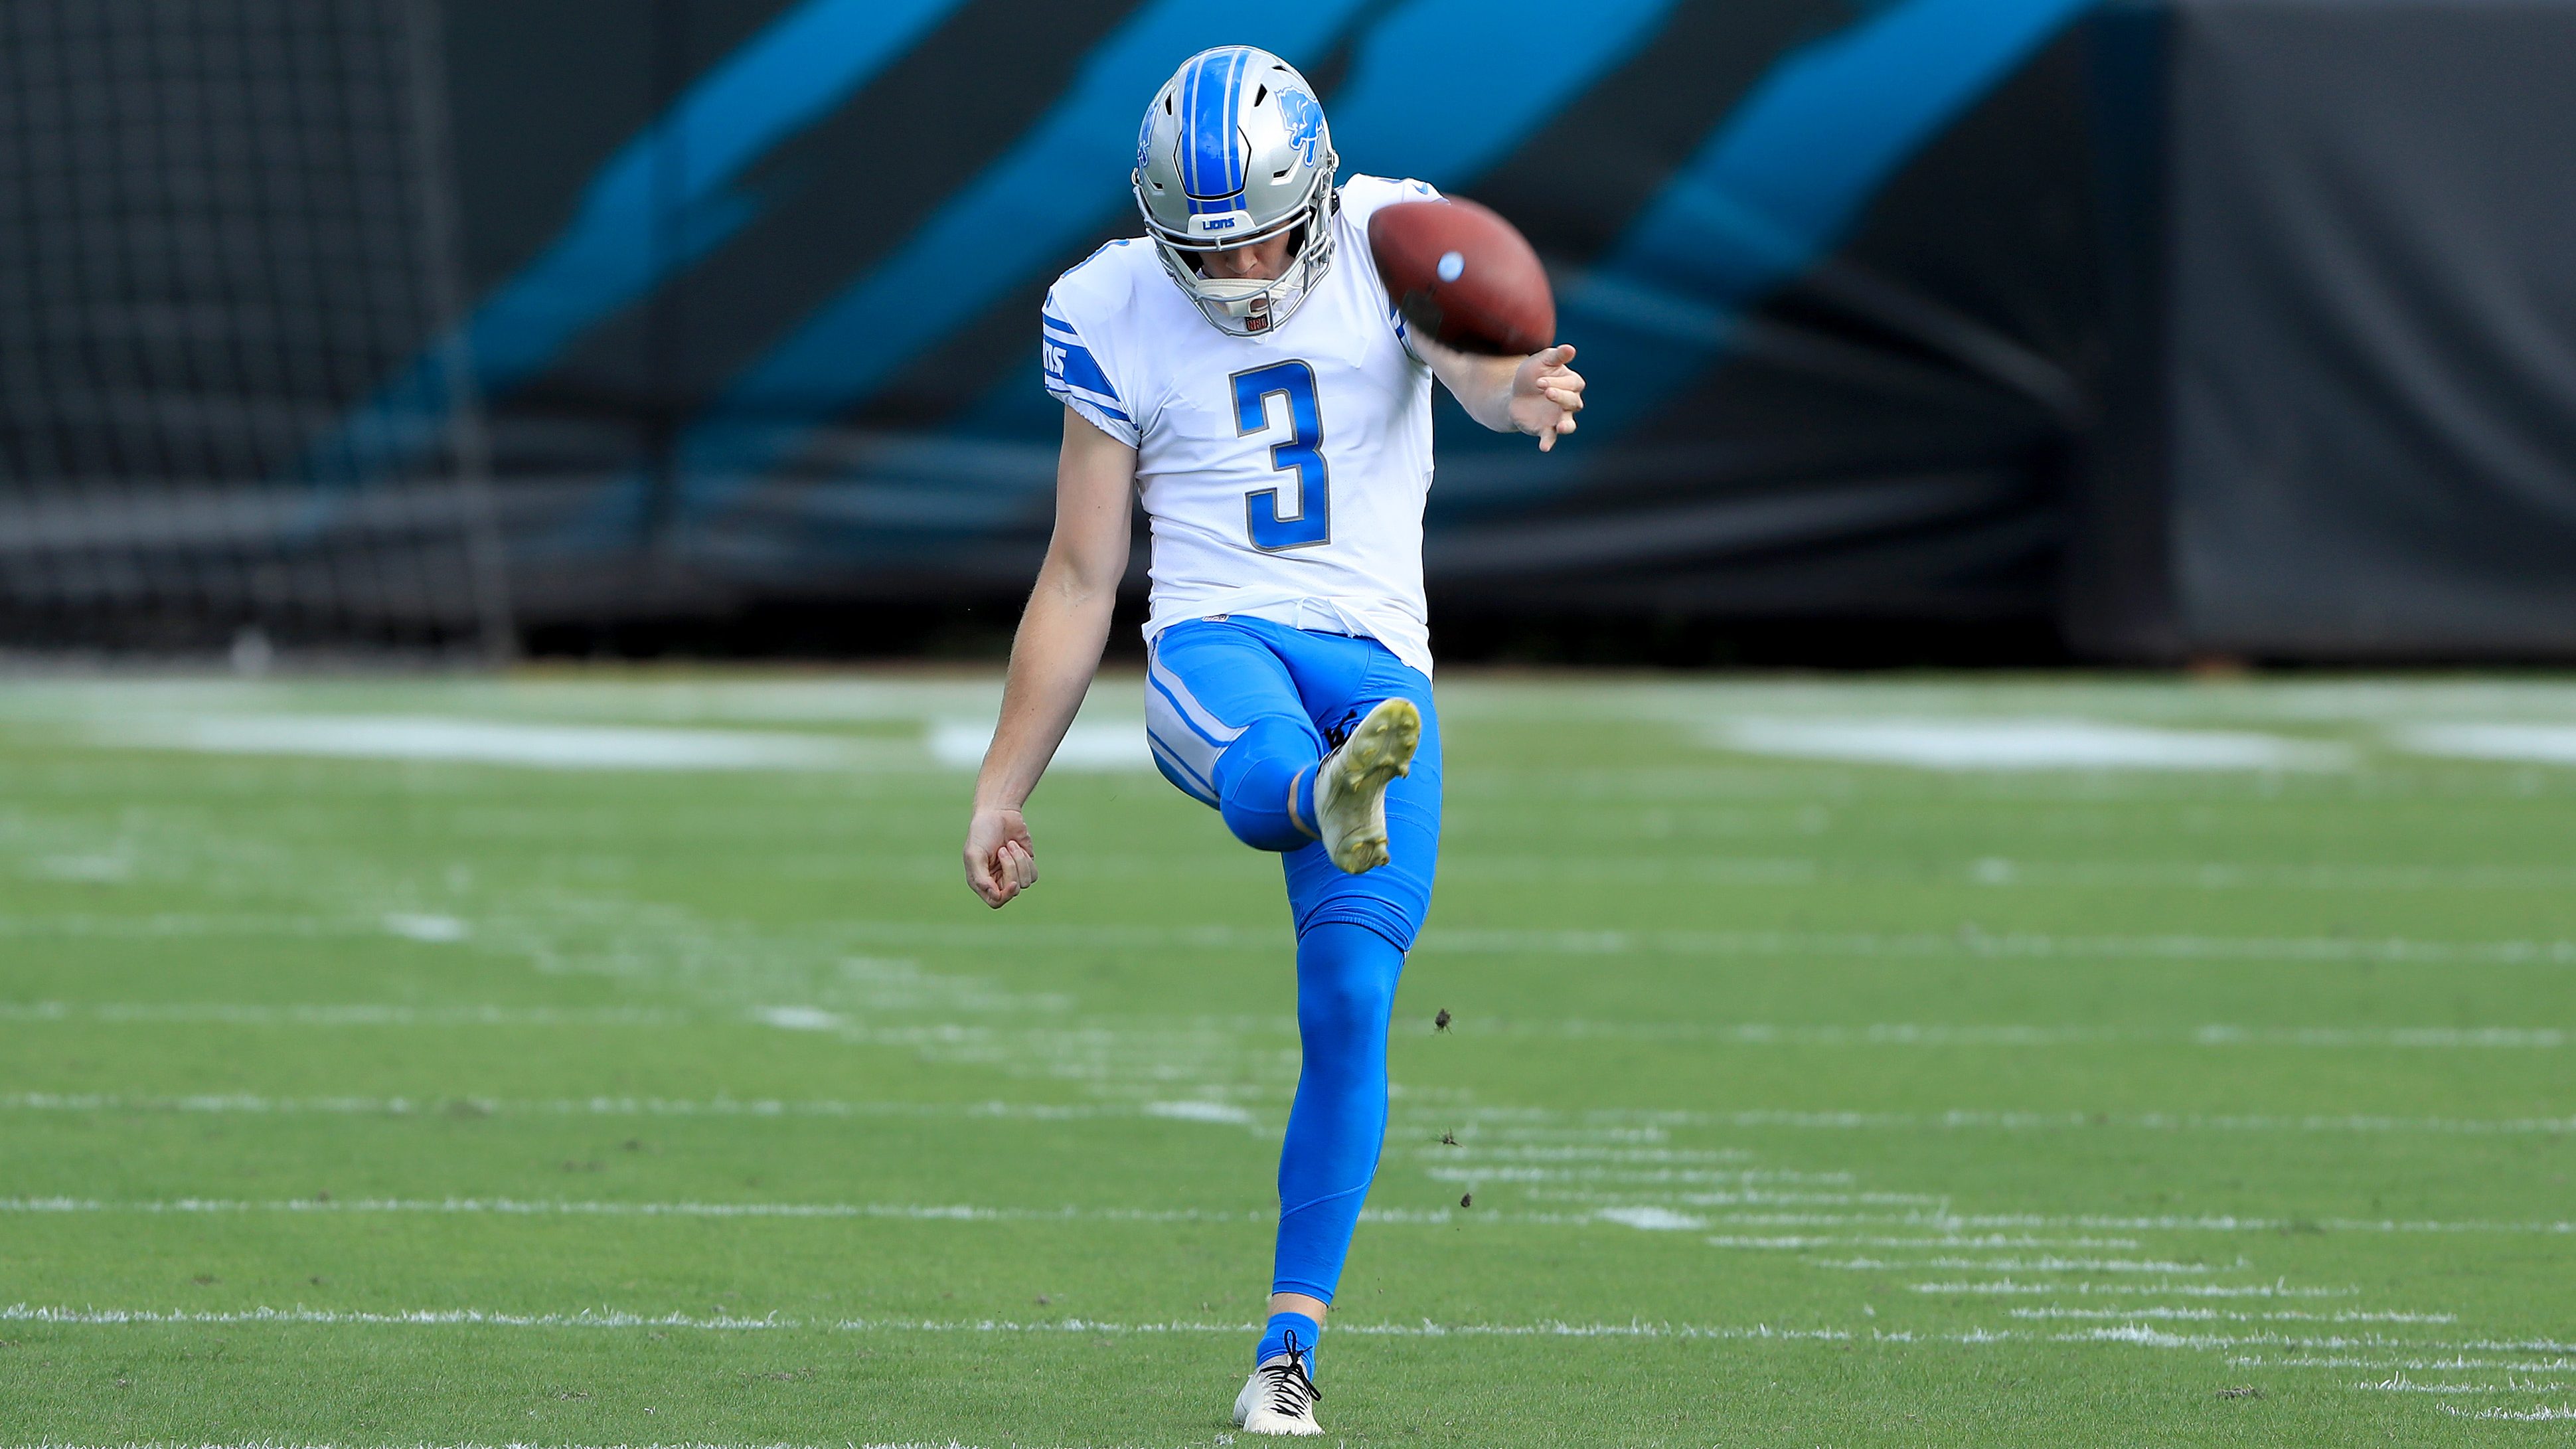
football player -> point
(1240, 367)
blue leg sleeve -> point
(1256, 776)
(1346, 977)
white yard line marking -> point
(1220, 1112)
(2212, 1223)
(2009, 1287)
(1990, 1240)
(1431, 1119)
(2151, 1121)
(168, 924)
(614, 1318)
(2321, 950)
(456, 740)
(352, 1014)
(1104, 745)
(1917, 1034)
(2036, 946)
(417, 1317)
(2045, 1263)
(815, 1018)
(1650, 1219)
(1471, 1172)
(564, 1107)
(2535, 744)
(2020, 744)
(2240, 875)
(1471, 1148)
(2226, 1315)
(2398, 1383)
(2528, 1416)
(2436, 1037)
(2141, 1334)
(908, 1212)
(435, 929)
(2456, 1363)
(533, 1207)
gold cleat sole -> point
(1350, 791)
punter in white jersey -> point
(1240, 368)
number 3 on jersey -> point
(1312, 523)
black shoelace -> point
(1289, 1386)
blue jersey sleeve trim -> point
(1072, 364)
(1076, 378)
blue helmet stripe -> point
(1208, 111)
(1234, 157)
(1189, 157)
(1207, 127)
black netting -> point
(226, 270)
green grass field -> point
(1807, 1096)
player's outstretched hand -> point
(1000, 863)
(1546, 394)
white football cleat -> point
(1350, 785)
(1279, 1398)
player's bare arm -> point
(1054, 654)
(1537, 394)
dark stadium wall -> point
(2373, 324)
(2155, 328)
(2343, 418)
(755, 285)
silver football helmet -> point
(1234, 150)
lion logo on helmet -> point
(1305, 118)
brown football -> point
(1462, 275)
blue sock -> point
(1274, 1339)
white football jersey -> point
(1284, 473)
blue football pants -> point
(1239, 712)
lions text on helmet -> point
(1234, 161)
